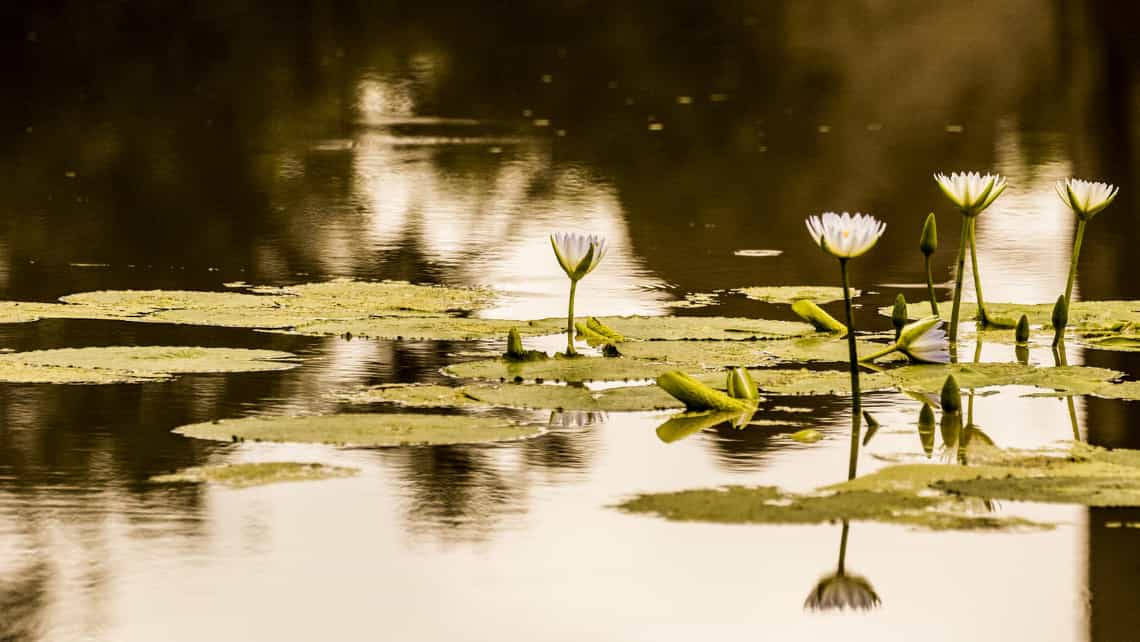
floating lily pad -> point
(131, 364)
(438, 328)
(767, 505)
(384, 297)
(256, 474)
(807, 436)
(817, 382)
(700, 328)
(635, 398)
(419, 395)
(517, 395)
(826, 349)
(569, 370)
(702, 354)
(382, 429)
(791, 293)
(1123, 343)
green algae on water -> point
(365, 430)
(255, 474)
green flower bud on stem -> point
(740, 385)
(929, 241)
(951, 395)
(1021, 335)
(696, 395)
(514, 343)
(899, 315)
(1060, 319)
(819, 319)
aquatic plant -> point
(898, 314)
(578, 254)
(922, 341)
(1086, 199)
(927, 244)
(846, 237)
(1060, 319)
(972, 193)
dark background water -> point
(185, 145)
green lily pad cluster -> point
(793, 293)
(516, 395)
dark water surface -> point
(186, 145)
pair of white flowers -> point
(973, 192)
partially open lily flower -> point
(970, 191)
(924, 341)
(840, 592)
(578, 254)
(845, 236)
(1086, 198)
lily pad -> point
(382, 429)
(569, 370)
(384, 297)
(1123, 343)
(817, 382)
(417, 395)
(792, 293)
(255, 474)
(133, 364)
(701, 354)
(700, 328)
(825, 349)
(1084, 316)
(517, 395)
(807, 436)
(437, 328)
(768, 505)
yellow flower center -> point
(846, 233)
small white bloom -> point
(578, 254)
(1086, 198)
(971, 192)
(924, 341)
(843, 235)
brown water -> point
(185, 148)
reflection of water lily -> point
(576, 418)
(1085, 198)
(971, 192)
(578, 254)
(840, 592)
(845, 236)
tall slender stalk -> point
(1073, 263)
(856, 412)
(570, 321)
(958, 279)
(930, 288)
(983, 318)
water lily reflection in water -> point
(842, 590)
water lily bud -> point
(1060, 319)
(740, 384)
(696, 395)
(514, 343)
(1022, 332)
(926, 429)
(899, 315)
(951, 395)
(819, 319)
(929, 241)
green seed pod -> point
(929, 241)
(1022, 332)
(951, 396)
(1060, 319)
(899, 315)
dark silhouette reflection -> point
(1114, 572)
(842, 590)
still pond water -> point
(189, 148)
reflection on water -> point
(309, 142)
(843, 590)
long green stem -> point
(983, 318)
(1073, 263)
(856, 411)
(570, 321)
(930, 288)
(958, 279)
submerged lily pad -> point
(571, 370)
(382, 429)
(768, 505)
(255, 474)
(130, 364)
(792, 293)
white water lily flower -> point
(840, 592)
(578, 254)
(925, 341)
(845, 236)
(1086, 198)
(971, 192)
